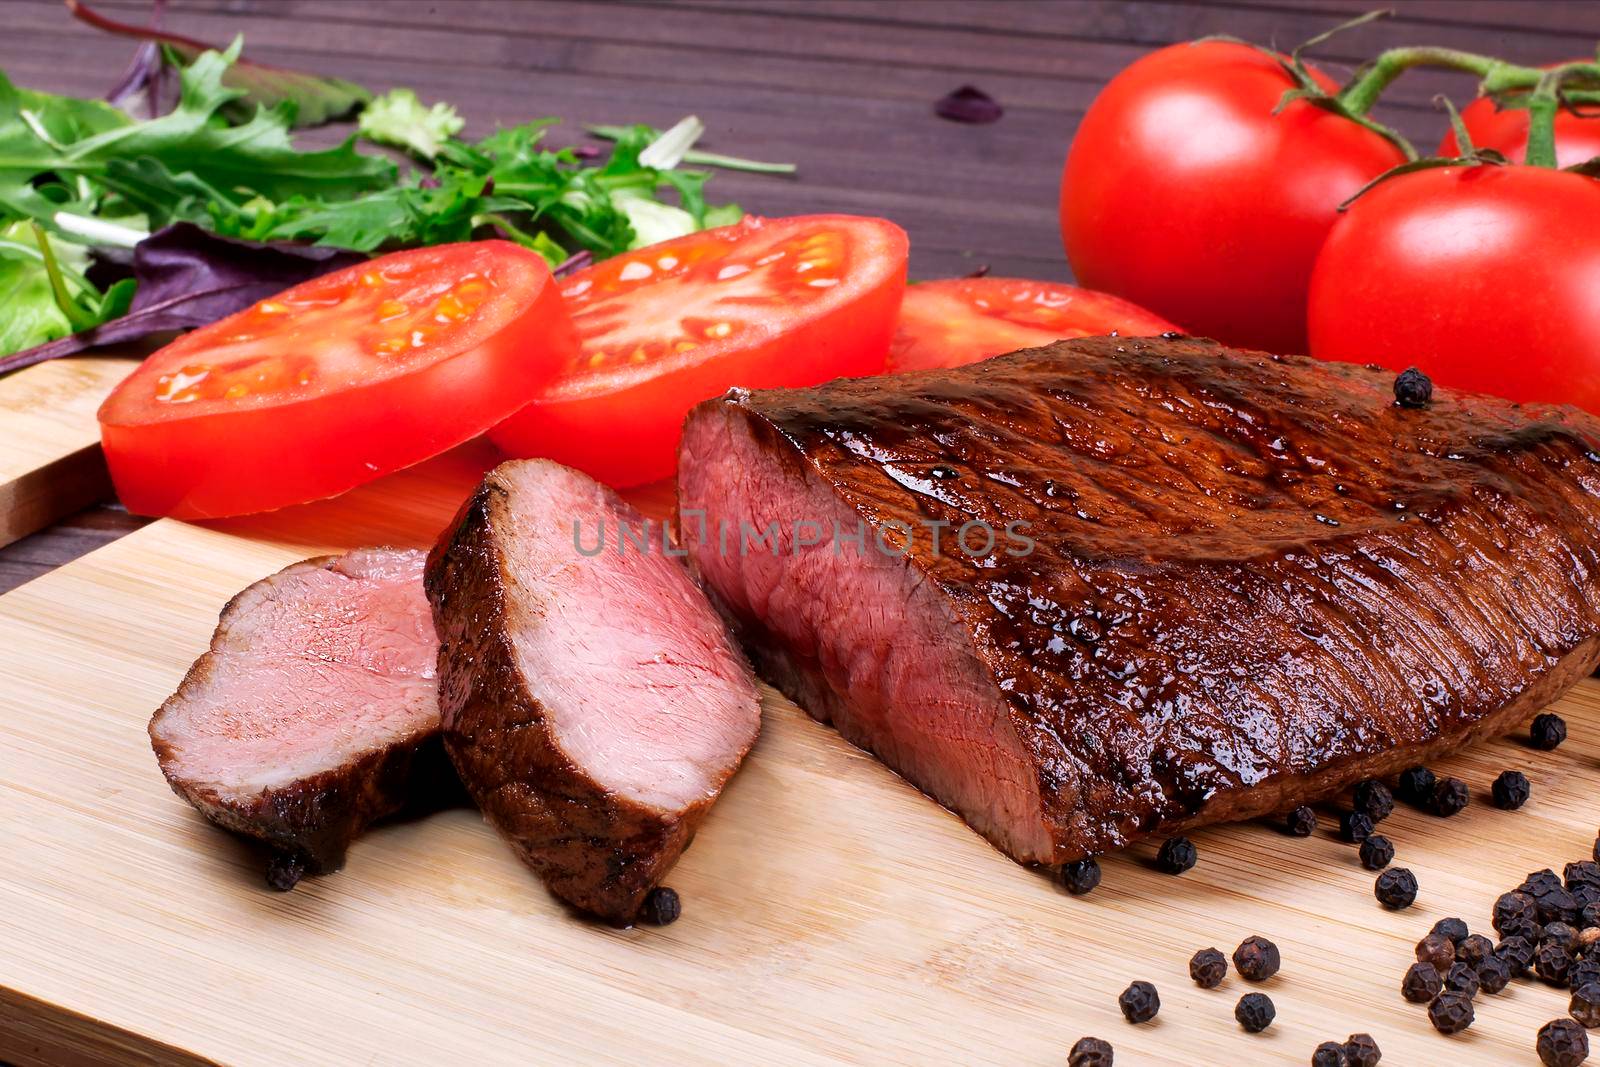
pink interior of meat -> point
(311, 668)
(642, 685)
(874, 648)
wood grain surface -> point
(832, 913)
(844, 88)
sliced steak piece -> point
(309, 716)
(593, 703)
(1244, 583)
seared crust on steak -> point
(1253, 580)
(510, 590)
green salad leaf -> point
(44, 291)
(399, 118)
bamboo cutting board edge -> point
(832, 914)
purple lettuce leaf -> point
(968, 104)
(188, 277)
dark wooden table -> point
(844, 88)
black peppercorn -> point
(1413, 389)
(1256, 959)
(1597, 850)
(1301, 822)
(1473, 949)
(1452, 928)
(1583, 973)
(1461, 978)
(1177, 855)
(1080, 876)
(1361, 1051)
(1449, 797)
(1376, 853)
(1517, 952)
(1396, 888)
(1255, 1012)
(1556, 904)
(1510, 790)
(1562, 1043)
(661, 907)
(1583, 872)
(1329, 1054)
(1540, 882)
(1354, 827)
(1437, 950)
(284, 870)
(1511, 907)
(1090, 1052)
(1560, 933)
(1586, 1005)
(1547, 731)
(1139, 1002)
(1450, 1013)
(1494, 974)
(1585, 894)
(1415, 786)
(1208, 968)
(1421, 983)
(1552, 963)
(1374, 800)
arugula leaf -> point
(399, 118)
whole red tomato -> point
(1488, 278)
(1506, 131)
(1186, 194)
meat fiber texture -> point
(307, 718)
(1241, 582)
(593, 702)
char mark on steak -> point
(314, 710)
(593, 703)
(1253, 580)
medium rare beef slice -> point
(310, 715)
(593, 701)
(1222, 583)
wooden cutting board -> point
(50, 462)
(831, 912)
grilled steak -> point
(308, 717)
(592, 700)
(1245, 581)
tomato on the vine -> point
(1189, 193)
(1506, 131)
(1485, 277)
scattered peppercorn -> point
(1376, 853)
(1139, 1002)
(1560, 933)
(1452, 928)
(1421, 983)
(1177, 855)
(1449, 797)
(1361, 1051)
(284, 870)
(1415, 786)
(1556, 903)
(1494, 974)
(1396, 888)
(1208, 968)
(1080, 876)
(1373, 799)
(1540, 882)
(1562, 1043)
(1597, 850)
(1301, 822)
(1329, 1054)
(1437, 950)
(1552, 962)
(1517, 952)
(1473, 949)
(1255, 1012)
(1547, 731)
(1586, 893)
(1514, 909)
(1413, 389)
(1583, 872)
(1586, 1005)
(1461, 978)
(1256, 959)
(1090, 1052)
(1584, 972)
(1450, 1013)
(1510, 790)
(1354, 827)
(661, 907)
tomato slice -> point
(762, 303)
(957, 321)
(336, 381)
